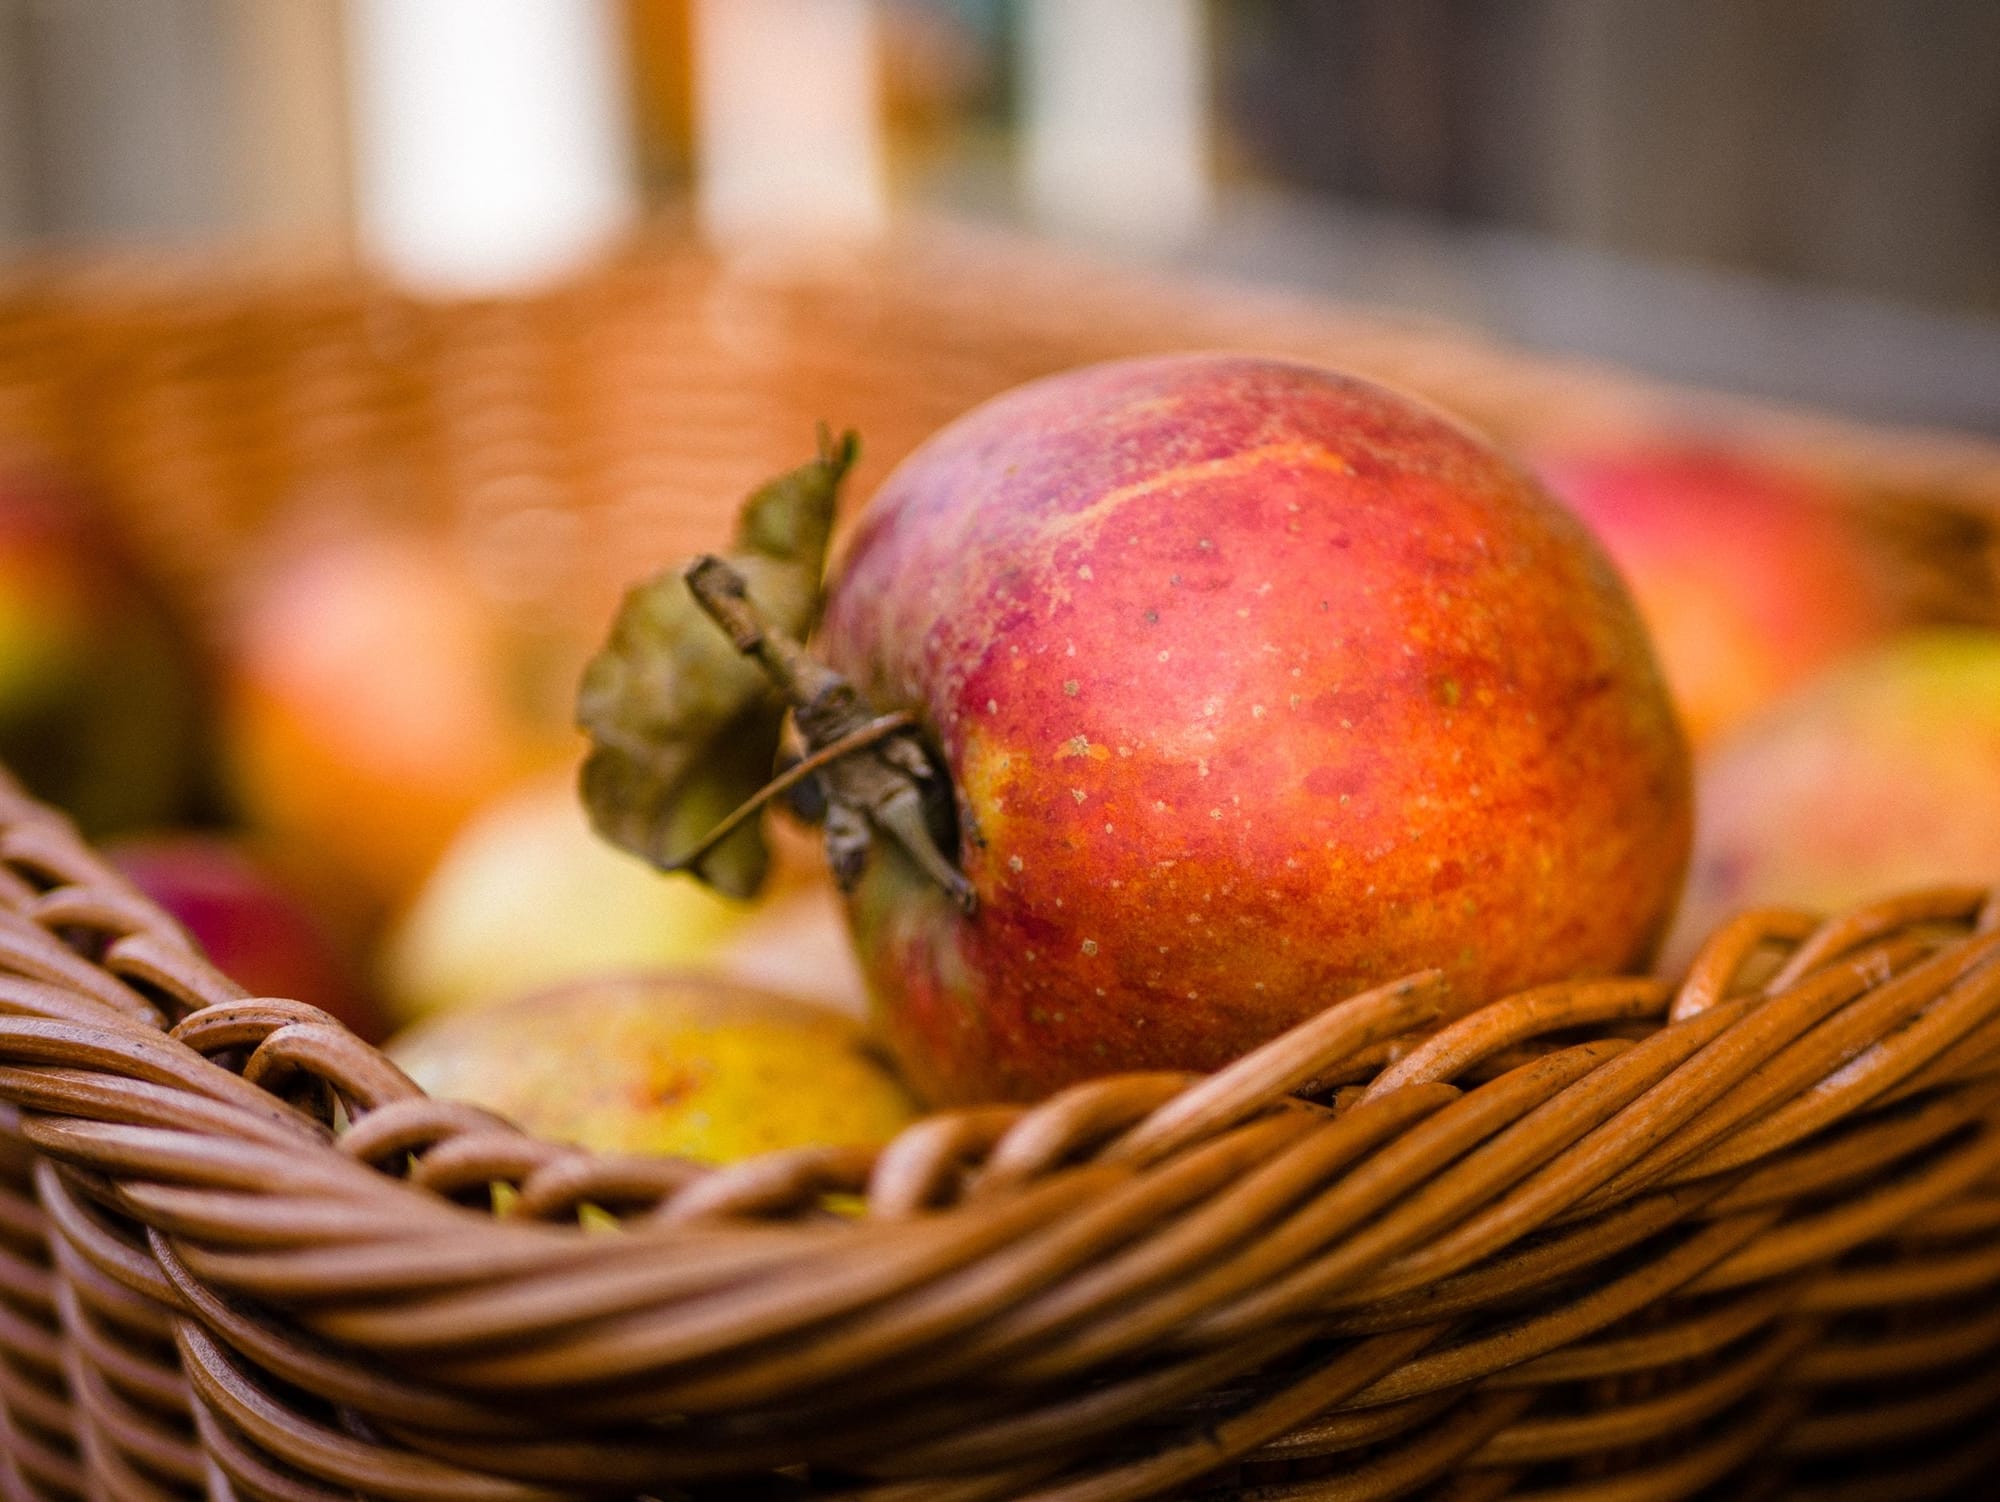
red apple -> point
(1749, 576)
(250, 920)
(1257, 685)
(1876, 777)
(372, 707)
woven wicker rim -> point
(1106, 1295)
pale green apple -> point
(526, 897)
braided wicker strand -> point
(1604, 1240)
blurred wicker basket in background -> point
(1603, 1241)
(610, 423)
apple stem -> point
(873, 772)
(791, 777)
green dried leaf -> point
(683, 729)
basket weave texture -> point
(1612, 1241)
(1599, 1240)
(567, 442)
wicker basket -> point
(1607, 1240)
(569, 441)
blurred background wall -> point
(1850, 142)
(1814, 184)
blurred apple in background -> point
(665, 1064)
(252, 922)
(797, 943)
(101, 696)
(1749, 577)
(527, 896)
(1880, 776)
(373, 706)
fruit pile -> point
(1145, 710)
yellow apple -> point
(665, 1063)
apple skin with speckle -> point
(1256, 685)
